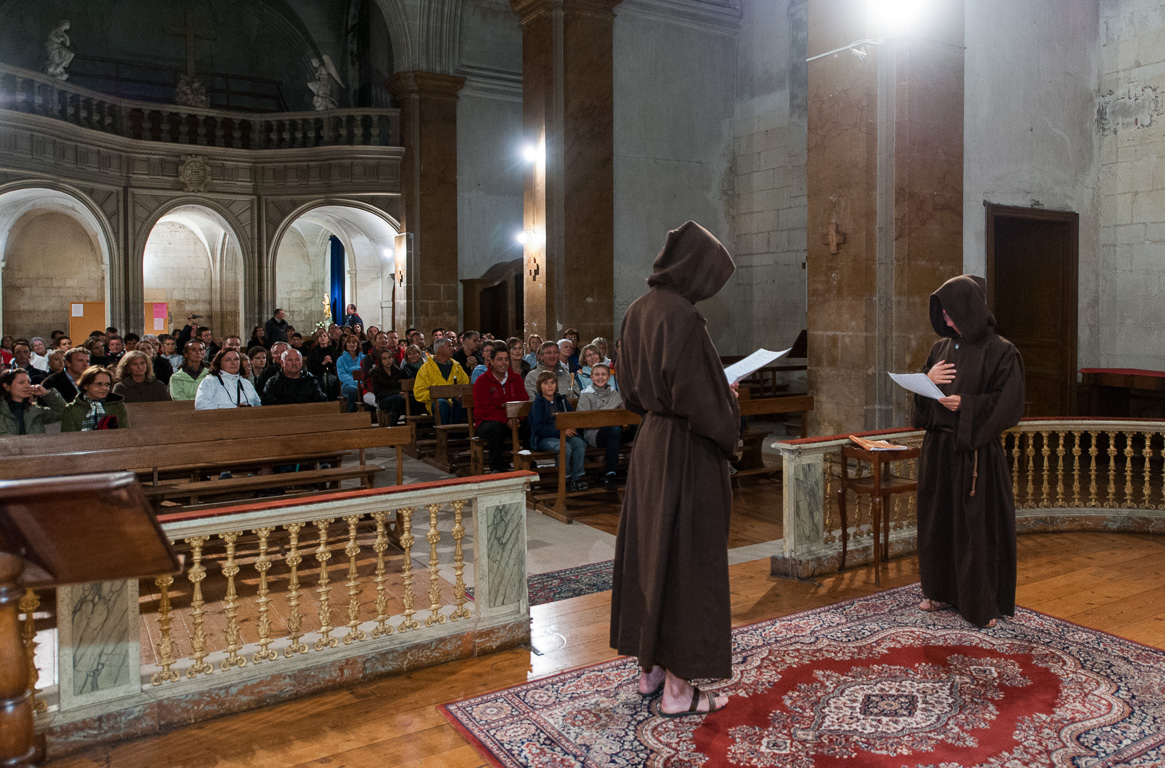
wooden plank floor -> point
(1105, 581)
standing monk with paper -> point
(670, 606)
(966, 511)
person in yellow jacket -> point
(439, 370)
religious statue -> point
(191, 92)
(324, 93)
(60, 56)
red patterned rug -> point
(868, 683)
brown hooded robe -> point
(966, 523)
(670, 604)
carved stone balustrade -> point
(1066, 474)
(33, 93)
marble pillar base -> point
(161, 714)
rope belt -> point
(975, 472)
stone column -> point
(885, 169)
(428, 105)
(567, 84)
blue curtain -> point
(337, 271)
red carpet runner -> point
(868, 683)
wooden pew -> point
(271, 450)
(424, 437)
(453, 440)
(751, 461)
(148, 416)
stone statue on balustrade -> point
(322, 88)
(190, 92)
(60, 57)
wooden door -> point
(1031, 286)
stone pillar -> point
(428, 105)
(885, 169)
(567, 84)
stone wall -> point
(50, 261)
(1130, 119)
(177, 270)
(301, 275)
(674, 105)
(770, 206)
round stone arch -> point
(367, 234)
(19, 198)
(230, 224)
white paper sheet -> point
(918, 383)
(752, 363)
(78, 310)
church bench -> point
(424, 438)
(139, 416)
(248, 452)
(29, 445)
(751, 461)
(196, 489)
(452, 440)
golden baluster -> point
(433, 537)
(829, 538)
(1128, 469)
(406, 543)
(195, 575)
(166, 647)
(1111, 501)
(1146, 454)
(28, 604)
(1061, 451)
(382, 628)
(1076, 500)
(1093, 501)
(294, 617)
(1030, 462)
(1045, 452)
(325, 614)
(230, 569)
(1016, 436)
(262, 565)
(459, 611)
(352, 550)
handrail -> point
(34, 93)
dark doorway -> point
(1031, 287)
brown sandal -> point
(694, 708)
(932, 605)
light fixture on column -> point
(893, 18)
(532, 241)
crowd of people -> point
(86, 386)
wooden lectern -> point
(64, 530)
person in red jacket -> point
(492, 390)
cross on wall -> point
(191, 33)
(833, 237)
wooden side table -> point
(880, 485)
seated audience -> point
(566, 354)
(349, 371)
(601, 395)
(591, 356)
(168, 350)
(163, 370)
(225, 386)
(258, 338)
(351, 318)
(114, 349)
(232, 342)
(544, 434)
(441, 370)
(467, 356)
(26, 407)
(380, 345)
(61, 342)
(131, 341)
(573, 360)
(6, 342)
(292, 384)
(492, 390)
(383, 385)
(136, 382)
(517, 364)
(548, 361)
(96, 348)
(296, 341)
(56, 361)
(369, 338)
(274, 365)
(96, 406)
(258, 357)
(22, 360)
(65, 381)
(184, 383)
(487, 348)
(533, 350)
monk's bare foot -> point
(650, 683)
(932, 605)
(677, 698)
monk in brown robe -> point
(966, 511)
(670, 605)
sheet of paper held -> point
(918, 383)
(752, 363)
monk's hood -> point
(692, 263)
(965, 299)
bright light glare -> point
(896, 17)
(530, 153)
(388, 253)
(522, 238)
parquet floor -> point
(1106, 581)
